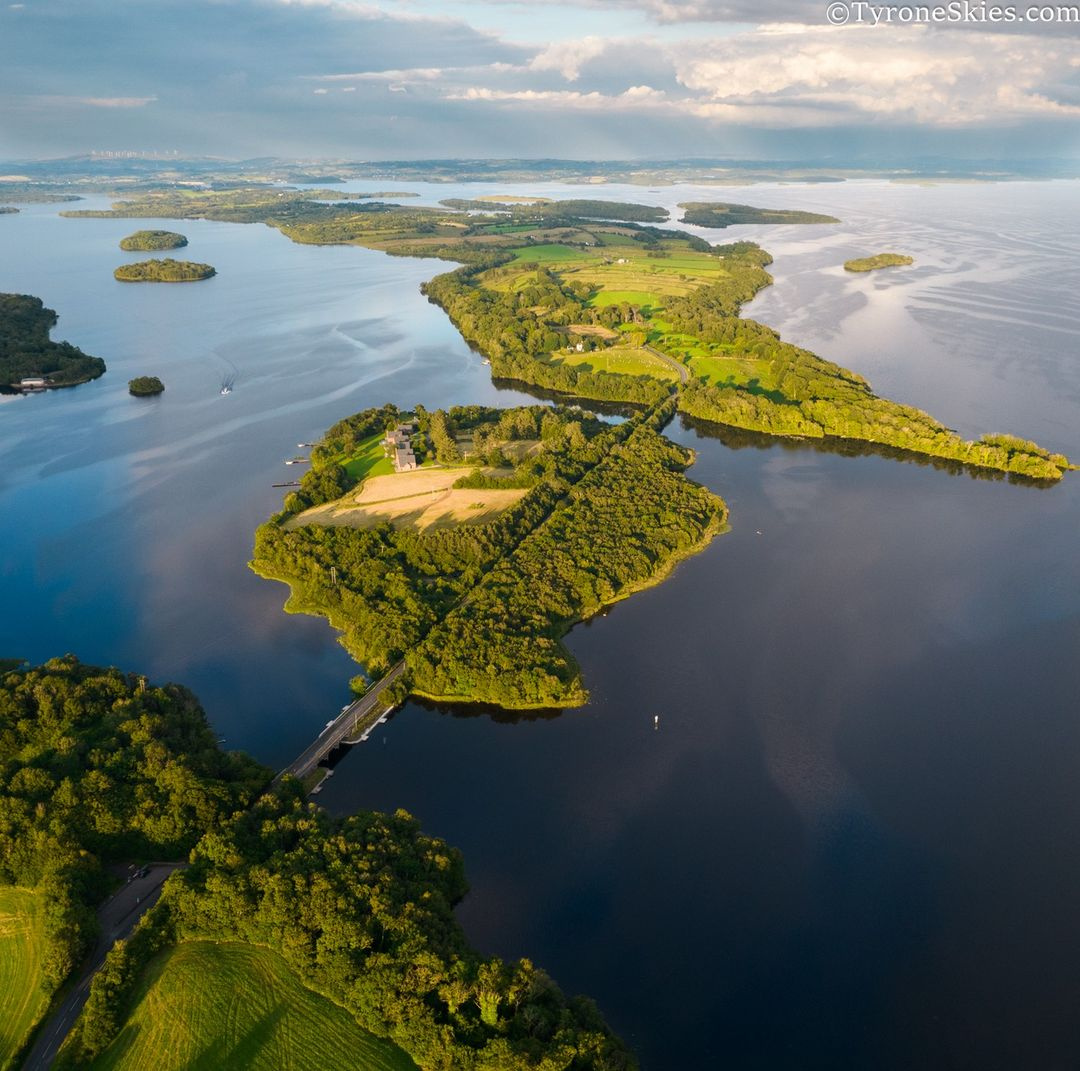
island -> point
(879, 260)
(163, 271)
(720, 214)
(151, 241)
(339, 931)
(587, 299)
(145, 386)
(468, 541)
(29, 359)
(8, 210)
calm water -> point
(853, 841)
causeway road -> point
(349, 724)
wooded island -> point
(163, 271)
(29, 359)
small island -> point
(152, 241)
(145, 386)
(719, 214)
(8, 210)
(29, 360)
(163, 271)
(879, 260)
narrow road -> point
(346, 726)
(117, 918)
(678, 366)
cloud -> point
(399, 78)
(635, 97)
(910, 72)
(568, 57)
(91, 102)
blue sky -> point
(400, 79)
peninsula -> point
(584, 299)
(29, 359)
(163, 271)
(151, 241)
(879, 260)
(340, 932)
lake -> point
(852, 841)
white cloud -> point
(569, 57)
(93, 102)
(910, 72)
(634, 97)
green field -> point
(369, 459)
(550, 254)
(210, 1007)
(22, 1001)
(626, 360)
(733, 371)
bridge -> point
(349, 727)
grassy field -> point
(22, 1002)
(550, 254)
(617, 272)
(720, 370)
(369, 460)
(626, 360)
(208, 1007)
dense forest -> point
(361, 908)
(620, 528)
(26, 350)
(165, 270)
(98, 766)
(719, 214)
(479, 609)
(150, 241)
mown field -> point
(209, 1007)
(626, 360)
(621, 272)
(423, 498)
(369, 459)
(22, 1002)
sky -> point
(593, 79)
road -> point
(117, 918)
(349, 724)
(678, 366)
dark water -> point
(854, 840)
